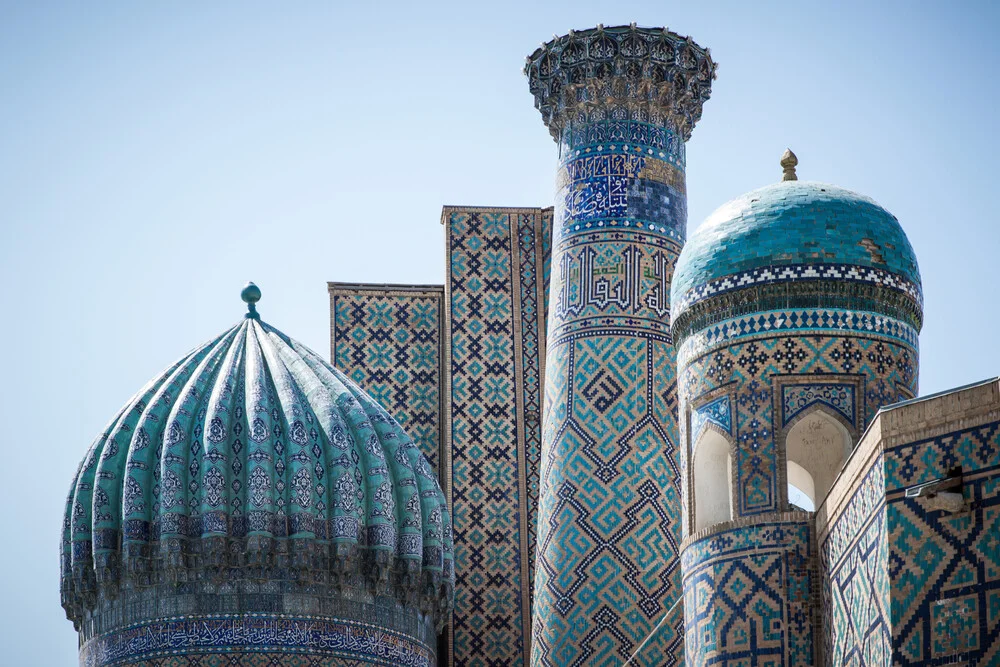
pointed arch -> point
(816, 444)
(712, 473)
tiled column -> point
(620, 102)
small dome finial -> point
(251, 295)
(788, 162)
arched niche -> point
(713, 478)
(816, 446)
(801, 487)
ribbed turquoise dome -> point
(252, 459)
(820, 229)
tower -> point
(796, 309)
(620, 103)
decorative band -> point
(256, 633)
(794, 320)
(799, 272)
(625, 135)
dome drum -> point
(695, 314)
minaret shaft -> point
(620, 102)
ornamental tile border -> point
(799, 273)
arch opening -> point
(713, 479)
(801, 488)
(816, 448)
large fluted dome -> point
(251, 476)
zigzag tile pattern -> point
(856, 597)
(496, 310)
(909, 585)
(609, 508)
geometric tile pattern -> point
(908, 585)
(388, 337)
(802, 273)
(257, 659)
(266, 639)
(884, 369)
(609, 511)
(799, 397)
(716, 412)
(856, 602)
(801, 321)
(944, 567)
(496, 312)
(748, 596)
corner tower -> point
(796, 309)
(620, 102)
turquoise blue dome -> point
(253, 459)
(795, 231)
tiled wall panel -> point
(944, 567)
(388, 338)
(855, 566)
(496, 322)
(748, 595)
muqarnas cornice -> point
(621, 73)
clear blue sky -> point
(154, 157)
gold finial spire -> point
(788, 162)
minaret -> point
(620, 102)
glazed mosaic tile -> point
(804, 322)
(799, 397)
(884, 369)
(748, 595)
(908, 585)
(856, 599)
(252, 476)
(491, 324)
(609, 506)
(255, 639)
(717, 411)
(944, 568)
(389, 337)
(798, 273)
(811, 228)
(496, 315)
